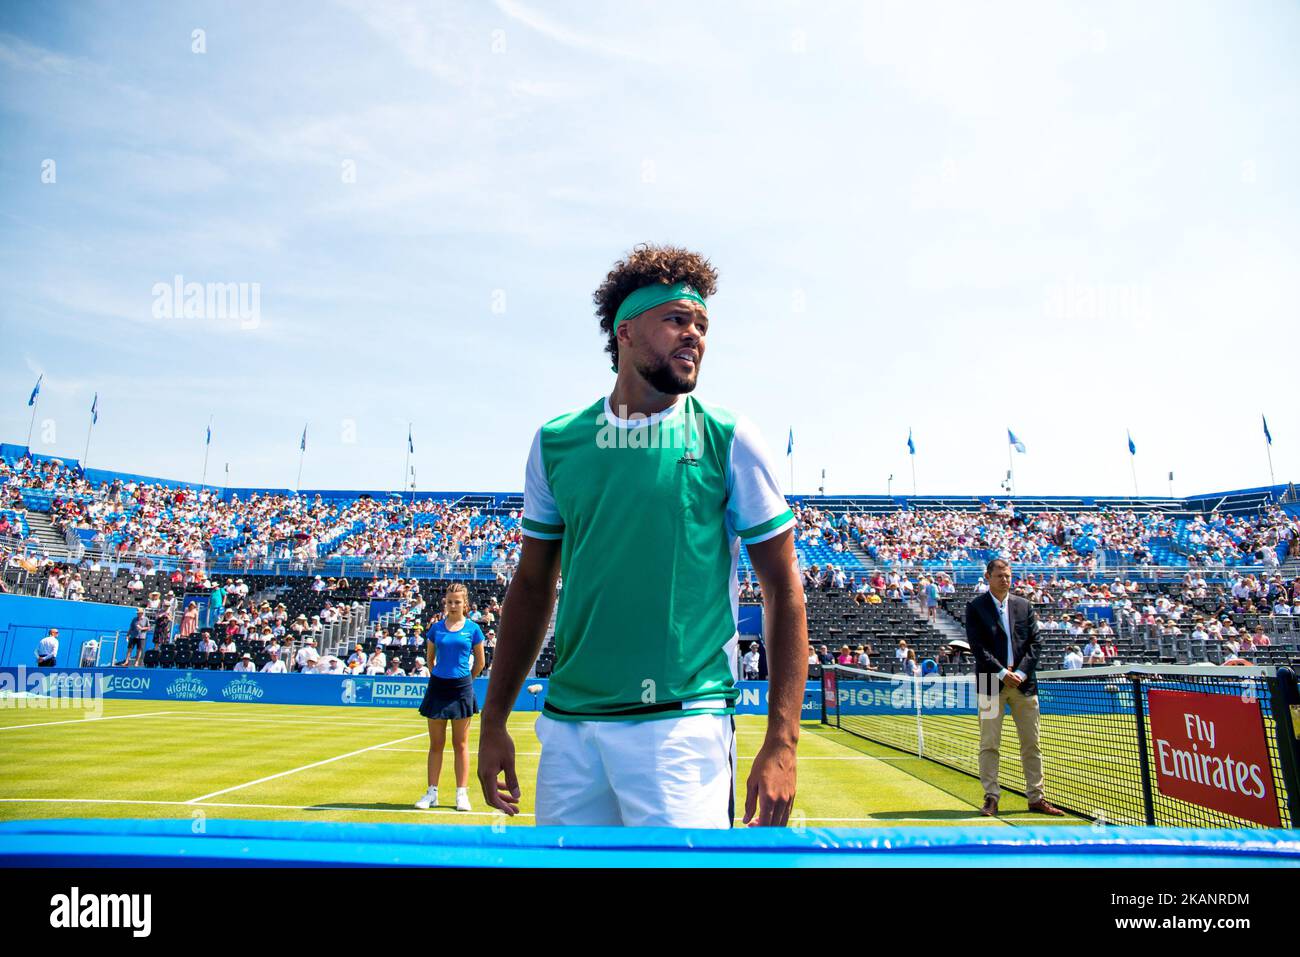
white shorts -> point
(667, 772)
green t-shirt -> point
(651, 511)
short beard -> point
(662, 377)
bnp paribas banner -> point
(159, 684)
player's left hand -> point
(770, 788)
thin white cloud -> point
(426, 35)
(18, 54)
(567, 37)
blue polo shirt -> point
(454, 650)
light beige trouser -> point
(1024, 711)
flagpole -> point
(31, 425)
(302, 453)
(913, 457)
(1133, 467)
(1011, 467)
(207, 447)
(1268, 449)
(406, 471)
(86, 454)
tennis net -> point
(1161, 745)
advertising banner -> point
(164, 684)
(1211, 750)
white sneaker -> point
(462, 799)
(430, 798)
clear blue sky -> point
(1069, 219)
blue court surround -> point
(238, 843)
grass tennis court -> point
(165, 759)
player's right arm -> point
(524, 617)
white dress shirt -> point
(1004, 617)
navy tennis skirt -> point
(449, 699)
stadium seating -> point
(277, 543)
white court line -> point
(449, 811)
(905, 820)
(270, 807)
(116, 717)
(295, 722)
(518, 754)
(743, 757)
(305, 767)
(182, 716)
(801, 758)
(304, 719)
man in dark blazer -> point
(1002, 631)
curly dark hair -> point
(644, 265)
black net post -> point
(1144, 761)
(1285, 695)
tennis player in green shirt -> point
(641, 502)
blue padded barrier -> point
(145, 843)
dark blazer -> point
(988, 642)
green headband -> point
(656, 294)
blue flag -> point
(36, 391)
(1132, 449)
(94, 410)
(1266, 433)
(410, 443)
(208, 440)
(302, 446)
(1019, 446)
(789, 446)
(911, 446)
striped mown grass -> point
(279, 762)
